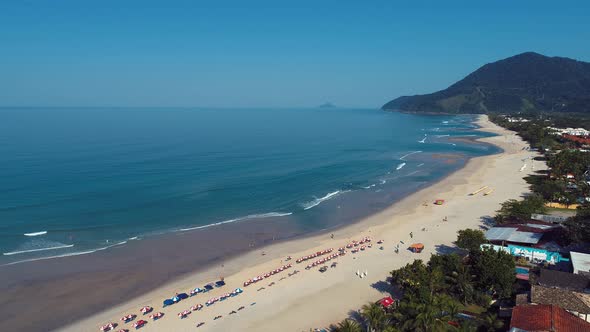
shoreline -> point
(139, 267)
(252, 263)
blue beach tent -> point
(182, 296)
(168, 302)
(176, 299)
(220, 283)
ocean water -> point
(75, 180)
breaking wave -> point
(318, 201)
(409, 154)
(35, 233)
(251, 216)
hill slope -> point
(524, 82)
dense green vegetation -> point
(528, 82)
(436, 291)
(513, 210)
(565, 183)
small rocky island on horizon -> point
(327, 105)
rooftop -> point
(512, 234)
(569, 300)
(564, 280)
(580, 261)
(539, 318)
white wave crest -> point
(251, 216)
(439, 136)
(35, 233)
(422, 164)
(423, 140)
(409, 154)
(38, 249)
(400, 166)
(318, 201)
(78, 253)
(369, 186)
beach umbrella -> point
(176, 299)
(168, 302)
(145, 309)
(220, 283)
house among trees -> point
(545, 318)
(533, 233)
(564, 280)
(576, 303)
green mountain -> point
(524, 82)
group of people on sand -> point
(130, 317)
(326, 259)
(355, 245)
(212, 300)
(359, 245)
(266, 275)
(314, 255)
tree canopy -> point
(470, 239)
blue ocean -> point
(77, 180)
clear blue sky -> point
(266, 53)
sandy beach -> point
(312, 299)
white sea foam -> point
(445, 122)
(423, 140)
(251, 216)
(35, 233)
(400, 166)
(318, 201)
(383, 181)
(38, 249)
(133, 238)
(409, 154)
(439, 136)
(412, 173)
(78, 253)
(370, 186)
(422, 164)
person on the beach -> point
(411, 235)
(332, 236)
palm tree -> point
(462, 284)
(466, 326)
(426, 318)
(492, 323)
(391, 328)
(348, 325)
(374, 317)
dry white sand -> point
(312, 299)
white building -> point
(581, 263)
(570, 131)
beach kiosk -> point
(416, 248)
